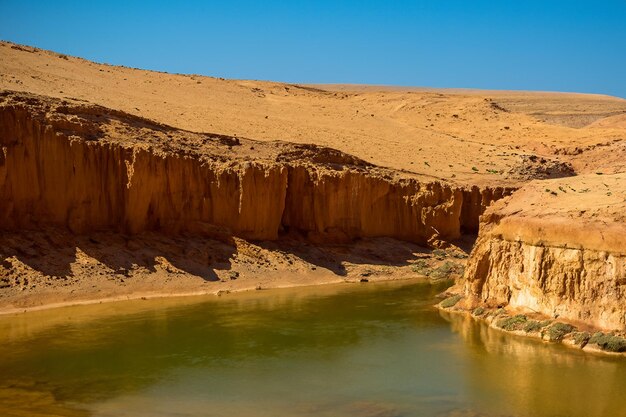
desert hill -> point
(469, 137)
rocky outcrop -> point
(575, 284)
(557, 248)
(88, 168)
(475, 201)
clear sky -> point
(529, 45)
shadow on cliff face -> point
(62, 255)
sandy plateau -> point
(123, 183)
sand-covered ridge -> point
(470, 137)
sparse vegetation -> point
(474, 169)
(512, 323)
(451, 301)
(445, 270)
(441, 272)
(581, 338)
(558, 330)
(478, 311)
(532, 326)
(421, 267)
(609, 342)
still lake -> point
(369, 350)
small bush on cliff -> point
(512, 323)
(532, 326)
(581, 338)
(451, 301)
(609, 342)
(421, 267)
(441, 272)
(444, 271)
(557, 331)
(478, 311)
(535, 326)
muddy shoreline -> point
(152, 295)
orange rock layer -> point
(88, 168)
(555, 247)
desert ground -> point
(435, 133)
(329, 183)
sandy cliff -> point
(557, 248)
(92, 169)
(99, 204)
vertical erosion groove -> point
(55, 176)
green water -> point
(372, 350)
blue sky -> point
(528, 45)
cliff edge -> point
(554, 249)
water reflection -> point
(370, 350)
(538, 378)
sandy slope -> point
(452, 134)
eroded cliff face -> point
(575, 284)
(49, 177)
(559, 253)
(90, 169)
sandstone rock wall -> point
(61, 169)
(575, 284)
(561, 255)
(475, 201)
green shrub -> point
(532, 326)
(442, 271)
(512, 323)
(557, 331)
(581, 338)
(421, 267)
(609, 342)
(499, 312)
(478, 311)
(535, 326)
(451, 301)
